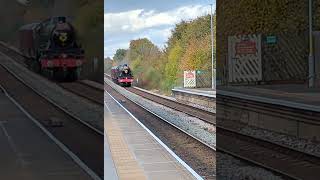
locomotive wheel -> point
(58, 75)
(73, 74)
(28, 63)
(35, 66)
(50, 74)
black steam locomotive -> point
(52, 48)
(122, 75)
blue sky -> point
(125, 20)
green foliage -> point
(120, 55)
(284, 17)
(88, 16)
(143, 48)
(89, 28)
(172, 66)
(108, 64)
(188, 48)
(143, 56)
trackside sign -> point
(189, 79)
(244, 58)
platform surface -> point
(110, 171)
(134, 152)
(197, 91)
(27, 153)
(292, 95)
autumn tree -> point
(144, 58)
(188, 48)
(119, 55)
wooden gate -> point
(244, 58)
(189, 79)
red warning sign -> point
(189, 79)
(246, 48)
(190, 74)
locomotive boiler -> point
(52, 48)
(122, 75)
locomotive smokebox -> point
(52, 48)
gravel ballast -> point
(194, 126)
(174, 99)
(230, 168)
(302, 145)
(80, 107)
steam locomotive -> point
(122, 75)
(52, 48)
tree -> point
(188, 48)
(120, 55)
(144, 59)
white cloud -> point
(139, 19)
(122, 27)
(109, 50)
(158, 36)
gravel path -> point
(80, 107)
(194, 126)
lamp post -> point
(311, 58)
(212, 58)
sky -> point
(125, 20)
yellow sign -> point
(63, 37)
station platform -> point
(133, 152)
(291, 109)
(27, 152)
(203, 97)
(291, 95)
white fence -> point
(189, 79)
(244, 58)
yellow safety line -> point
(126, 165)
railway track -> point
(86, 91)
(290, 163)
(194, 152)
(19, 58)
(282, 160)
(84, 141)
(206, 116)
(80, 89)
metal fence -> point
(196, 79)
(283, 59)
(203, 79)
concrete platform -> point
(204, 97)
(296, 111)
(110, 171)
(26, 152)
(292, 95)
(135, 153)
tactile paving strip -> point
(126, 165)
